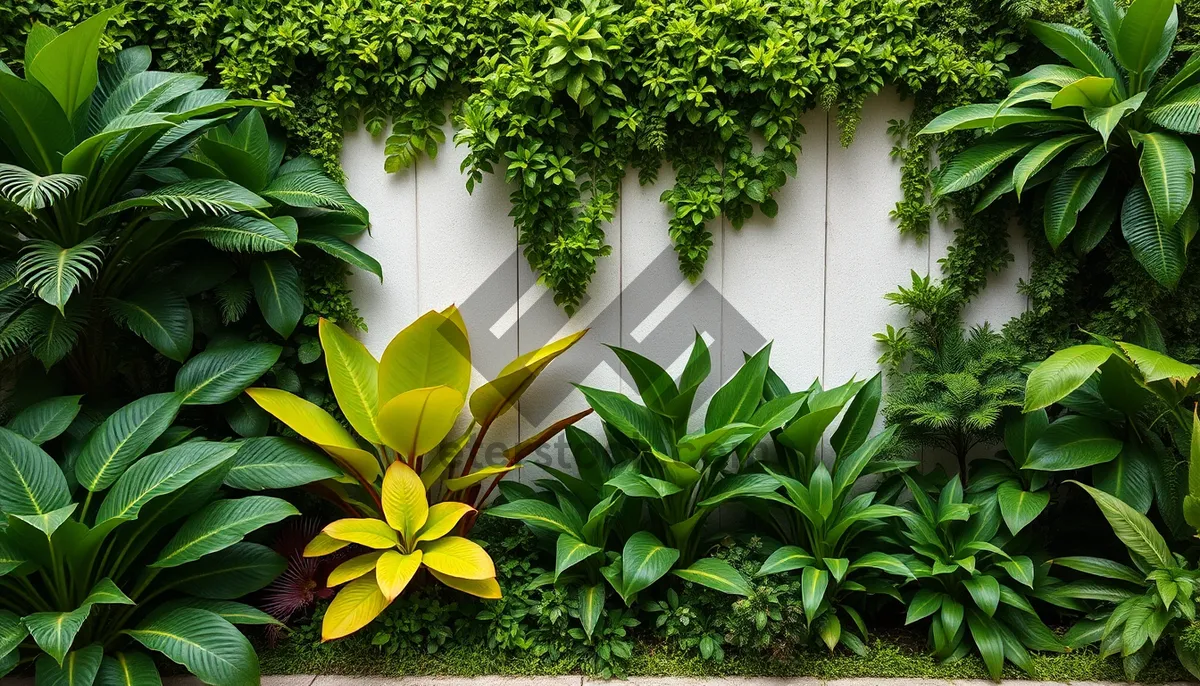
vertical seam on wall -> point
(825, 259)
(620, 278)
(417, 236)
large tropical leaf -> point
(986, 116)
(1141, 33)
(318, 426)
(537, 514)
(245, 233)
(279, 293)
(78, 668)
(354, 376)
(122, 438)
(32, 192)
(973, 164)
(716, 574)
(499, 395)
(35, 124)
(1158, 247)
(1073, 442)
(1167, 170)
(308, 189)
(1179, 112)
(274, 462)
(66, 66)
(1134, 530)
(1041, 155)
(415, 422)
(1069, 193)
(332, 245)
(191, 198)
(1063, 372)
(53, 272)
(47, 419)
(159, 315)
(1075, 47)
(1105, 119)
(231, 573)
(207, 645)
(432, 351)
(162, 473)
(644, 560)
(736, 400)
(30, 481)
(221, 524)
(1090, 91)
(222, 372)
(128, 669)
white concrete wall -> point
(812, 279)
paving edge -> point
(575, 680)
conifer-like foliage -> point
(950, 385)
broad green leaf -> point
(1105, 119)
(221, 373)
(232, 573)
(30, 481)
(1155, 366)
(859, 419)
(569, 552)
(847, 468)
(274, 462)
(1158, 247)
(1018, 506)
(1073, 442)
(66, 66)
(986, 116)
(432, 351)
(1022, 431)
(12, 632)
(161, 316)
(591, 604)
(1141, 31)
(128, 669)
(1068, 194)
(245, 233)
(38, 127)
(985, 591)
(716, 574)
(714, 444)
(308, 189)
(1107, 18)
(1100, 567)
(881, 561)
(537, 514)
(54, 632)
(1134, 530)
(1179, 112)
(988, 640)
(1041, 155)
(740, 486)
(78, 668)
(632, 420)
(47, 419)
(655, 387)
(122, 438)
(354, 376)
(278, 291)
(220, 525)
(813, 583)
(1020, 568)
(332, 245)
(1075, 47)
(973, 164)
(923, 604)
(737, 399)
(1128, 477)
(207, 645)
(1090, 91)
(644, 560)
(1167, 169)
(161, 473)
(1096, 220)
(415, 422)
(1062, 373)
(49, 522)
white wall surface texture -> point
(812, 279)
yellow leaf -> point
(497, 396)
(442, 518)
(372, 533)
(456, 556)
(464, 482)
(353, 608)
(483, 588)
(394, 572)
(354, 376)
(356, 459)
(414, 422)
(452, 313)
(303, 417)
(352, 569)
(404, 502)
(432, 351)
(434, 470)
(322, 545)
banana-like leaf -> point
(1158, 247)
(354, 376)
(207, 645)
(1135, 531)
(66, 66)
(718, 575)
(1141, 32)
(1180, 112)
(1068, 194)
(1061, 373)
(122, 438)
(988, 116)
(221, 373)
(973, 164)
(1075, 47)
(220, 525)
(162, 473)
(128, 669)
(274, 462)
(1105, 119)
(47, 419)
(159, 315)
(30, 481)
(1167, 170)
(231, 573)
(279, 293)
(78, 668)
(38, 128)
(1090, 91)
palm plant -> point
(125, 539)
(106, 172)
(1108, 135)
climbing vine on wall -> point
(561, 99)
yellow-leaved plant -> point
(411, 534)
(403, 408)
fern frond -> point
(32, 192)
(56, 332)
(233, 297)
